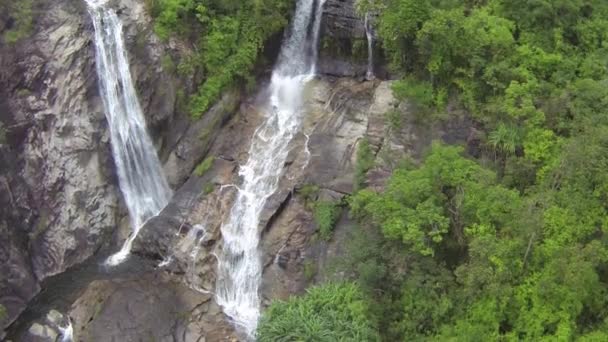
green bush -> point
(326, 215)
(309, 192)
(229, 37)
(333, 312)
(365, 161)
(22, 14)
(2, 134)
(419, 92)
(204, 166)
(208, 188)
(394, 118)
(310, 270)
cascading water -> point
(140, 174)
(239, 262)
(67, 332)
(369, 32)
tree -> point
(447, 194)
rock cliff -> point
(60, 204)
(60, 201)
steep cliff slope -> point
(59, 195)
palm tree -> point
(504, 140)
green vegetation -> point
(208, 188)
(21, 19)
(365, 161)
(229, 37)
(334, 312)
(2, 134)
(512, 246)
(310, 270)
(309, 192)
(2, 312)
(418, 205)
(326, 215)
(204, 166)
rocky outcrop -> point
(343, 51)
(340, 20)
(59, 194)
(152, 308)
(62, 199)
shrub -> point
(333, 312)
(229, 38)
(309, 192)
(208, 188)
(419, 92)
(365, 161)
(204, 166)
(326, 215)
(22, 14)
(310, 270)
(394, 119)
(2, 134)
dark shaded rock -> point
(57, 175)
(337, 66)
(343, 51)
(197, 138)
(152, 308)
(340, 20)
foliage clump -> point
(229, 37)
(326, 215)
(365, 162)
(333, 312)
(21, 19)
(204, 166)
(2, 134)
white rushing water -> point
(67, 332)
(369, 32)
(140, 175)
(239, 262)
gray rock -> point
(342, 31)
(153, 308)
(340, 20)
(57, 176)
(59, 150)
(41, 333)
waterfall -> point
(67, 332)
(140, 174)
(369, 32)
(239, 261)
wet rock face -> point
(340, 20)
(343, 49)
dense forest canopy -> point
(511, 244)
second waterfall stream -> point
(239, 262)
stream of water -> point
(369, 33)
(239, 262)
(140, 174)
